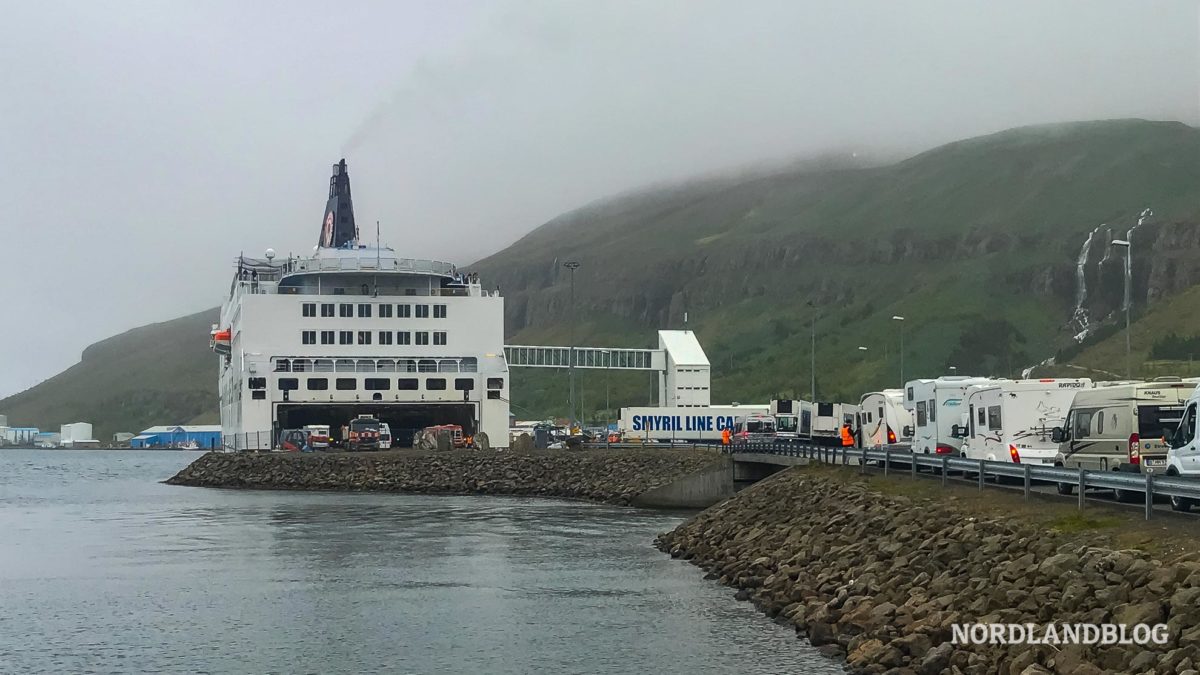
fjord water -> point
(105, 569)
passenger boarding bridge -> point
(684, 373)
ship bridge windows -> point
(448, 366)
(301, 365)
(364, 366)
(385, 366)
(283, 366)
(345, 365)
(323, 365)
(427, 366)
(469, 364)
(406, 366)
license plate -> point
(1156, 462)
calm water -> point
(103, 569)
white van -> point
(385, 436)
(1013, 420)
(793, 419)
(883, 418)
(1183, 453)
(1121, 427)
(754, 428)
(937, 406)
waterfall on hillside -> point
(1079, 317)
(1146, 213)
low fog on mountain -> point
(147, 143)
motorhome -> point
(828, 420)
(1121, 427)
(937, 406)
(318, 436)
(882, 418)
(1012, 420)
(793, 419)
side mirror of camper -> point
(1058, 435)
(956, 431)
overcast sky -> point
(144, 144)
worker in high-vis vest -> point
(847, 436)
(726, 436)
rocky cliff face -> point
(881, 580)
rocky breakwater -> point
(880, 579)
(609, 476)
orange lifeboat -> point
(220, 340)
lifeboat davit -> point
(220, 340)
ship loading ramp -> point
(405, 419)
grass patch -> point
(1082, 522)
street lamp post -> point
(901, 320)
(813, 365)
(572, 265)
(1128, 246)
(607, 373)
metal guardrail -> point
(1147, 485)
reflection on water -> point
(105, 569)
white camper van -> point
(937, 406)
(1183, 453)
(883, 419)
(1121, 427)
(793, 419)
(1013, 420)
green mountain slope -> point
(163, 373)
(975, 243)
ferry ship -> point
(355, 330)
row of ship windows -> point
(365, 310)
(347, 337)
(375, 383)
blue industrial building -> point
(199, 436)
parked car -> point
(1121, 427)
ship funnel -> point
(338, 228)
